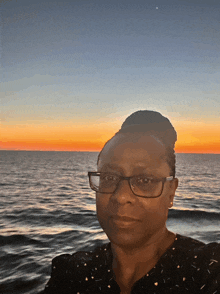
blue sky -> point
(84, 61)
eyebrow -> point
(119, 169)
(112, 166)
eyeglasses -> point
(141, 185)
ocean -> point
(48, 209)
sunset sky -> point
(74, 70)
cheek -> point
(101, 207)
(101, 202)
(156, 209)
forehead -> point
(134, 153)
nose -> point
(123, 193)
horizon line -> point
(37, 150)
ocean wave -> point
(17, 240)
(65, 188)
(6, 184)
(193, 214)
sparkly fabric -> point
(188, 266)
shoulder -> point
(191, 248)
(71, 272)
(82, 259)
(199, 263)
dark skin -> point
(136, 226)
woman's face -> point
(129, 220)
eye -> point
(109, 178)
(143, 180)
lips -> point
(124, 218)
(125, 222)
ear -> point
(173, 187)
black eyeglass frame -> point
(121, 178)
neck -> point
(146, 250)
(132, 263)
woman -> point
(135, 187)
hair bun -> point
(142, 117)
(150, 122)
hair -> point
(155, 124)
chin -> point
(126, 240)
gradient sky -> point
(74, 70)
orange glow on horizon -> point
(199, 149)
(52, 146)
(64, 137)
(93, 147)
(197, 137)
(192, 137)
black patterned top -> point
(188, 266)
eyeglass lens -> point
(140, 185)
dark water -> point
(47, 209)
